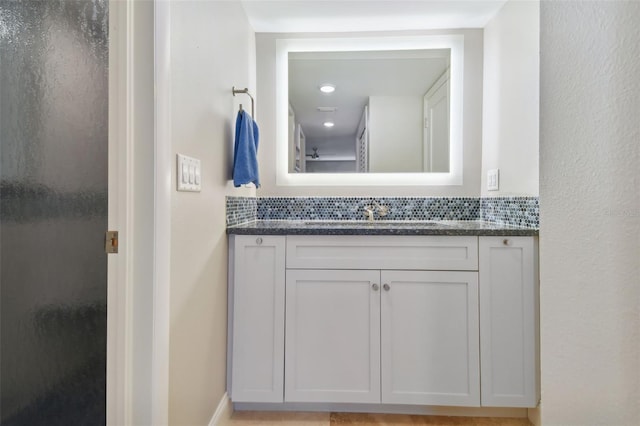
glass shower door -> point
(53, 206)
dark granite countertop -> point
(352, 227)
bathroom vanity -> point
(393, 314)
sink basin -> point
(392, 223)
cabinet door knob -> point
(375, 287)
(386, 287)
(506, 242)
(258, 240)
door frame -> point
(138, 277)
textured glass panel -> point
(53, 205)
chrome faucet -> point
(370, 210)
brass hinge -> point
(111, 242)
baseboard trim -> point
(534, 416)
(223, 411)
(384, 408)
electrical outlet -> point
(493, 180)
(188, 174)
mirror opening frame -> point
(454, 42)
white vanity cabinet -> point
(256, 318)
(509, 334)
(369, 319)
(367, 336)
(396, 320)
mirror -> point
(391, 154)
(369, 111)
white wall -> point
(510, 115)
(590, 213)
(472, 121)
(334, 146)
(395, 134)
(212, 49)
(331, 166)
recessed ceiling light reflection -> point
(327, 88)
(328, 124)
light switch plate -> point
(188, 174)
(493, 180)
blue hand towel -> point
(245, 159)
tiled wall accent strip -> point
(241, 210)
(516, 211)
(352, 208)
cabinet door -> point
(256, 306)
(333, 336)
(430, 349)
(509, 321)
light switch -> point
(493, 180)
(185, 172)
(188, 174)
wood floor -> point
(261, 418)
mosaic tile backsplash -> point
(352, 208)
(241, 210)
(516, 211)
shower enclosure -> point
(53, 211)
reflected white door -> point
(436, 123)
